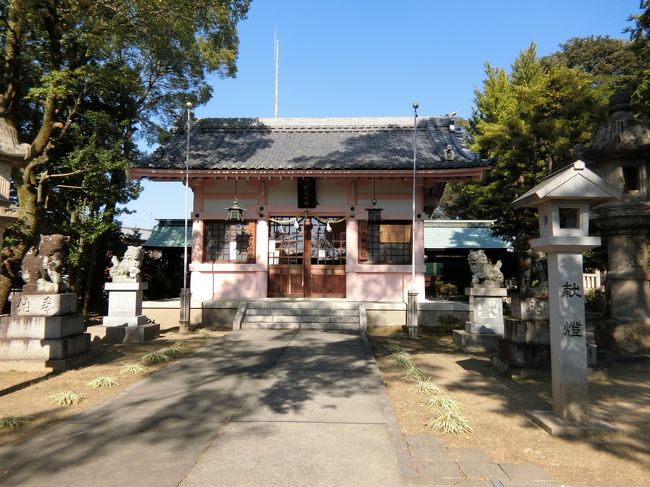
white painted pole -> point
(187, 184)
(412, 313)
(186, 295)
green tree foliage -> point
(528, 122)
(79, 78)
(640, 36)
(608, 61)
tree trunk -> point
(23, 236)
(90, 274)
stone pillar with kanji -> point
(563, 201)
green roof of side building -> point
(438, 234)
(461, 234)
(169, 234)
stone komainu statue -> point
(484, 273)
(128, 269)
(42, 268)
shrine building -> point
(327, 202)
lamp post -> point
(186, 293)
(412, 312)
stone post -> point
(568, 336)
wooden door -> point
(286, 263)
(307, 260)
(327, 264)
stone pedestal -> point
(43, 331)
(485, 323)
(625, 226)
(525, 347)
(125, 318)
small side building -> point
(447, 244)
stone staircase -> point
(303, 314)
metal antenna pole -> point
(412, 314)
(277, 59)
(186, 296)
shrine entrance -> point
(307, 257)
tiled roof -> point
(316, 143)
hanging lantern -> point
(374, 213)
(235, 212)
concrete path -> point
(259, 407)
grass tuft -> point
(174, 349)
(155, 357)
(66, 398)
(103, 381)
(133, 369)
(448, 422)
(402, 360)
(414, 373)
(204, 333)
(445, 404)
(394, 347)
(428, 388)
(14, 422)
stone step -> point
(299, 304)
(301, 326)
(301, 311)
(300, 319)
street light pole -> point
(412, 313)
(186, 293)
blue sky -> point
(372, 58)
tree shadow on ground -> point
(627, 387)
(164, 421)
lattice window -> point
(385, 242)
(229, 242)
(328, 248)
(286, 242)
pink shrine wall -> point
(336, 197)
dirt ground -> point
(496, 406)
(32, 399)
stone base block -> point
(45, 366)
(125, 334)
(129, 321)
(507, 368)
(593, 373)
(43, 304)
(527, 331)
(484, 328)
(525, 355)
(39, 349)
(482, 341)
(627, 337)
(41, 327)
(558, 427)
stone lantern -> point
(619, 152)
(12, 154)
(563, 201)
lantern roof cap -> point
(574, 182)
